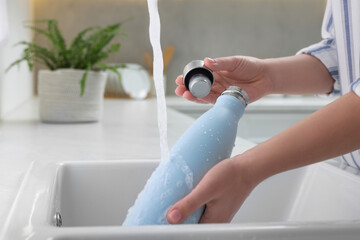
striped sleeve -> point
(355, 86)
(326, 50)
(354, 8)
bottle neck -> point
(238, 93)
(235, 105)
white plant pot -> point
(60, 100)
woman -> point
(331, 66)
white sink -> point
(316, 202)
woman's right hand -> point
(222, 190)
(249, 73)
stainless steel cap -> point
(197, 78)
(239, 93)
(199, 86)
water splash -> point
(158, 68)
(182, 165)
(159, 185)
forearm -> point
(300, 74)
(332, 131)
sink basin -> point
(320, 201)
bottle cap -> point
(239, 93)
(199, 85)
(197, 78)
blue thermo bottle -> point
(206, 142)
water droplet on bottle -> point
(179, 183)
(162, 196)
(189, 181)
(205, 132)
(167, 179)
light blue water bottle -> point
(208, 141)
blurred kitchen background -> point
(195, 28)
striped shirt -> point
(339, 51)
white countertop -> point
(271, 103)
(128, 131)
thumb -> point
(185, 207)
(223, 63)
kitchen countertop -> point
(128, 130)
(271, 103)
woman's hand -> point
(223, 190)
(248, 73)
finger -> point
(222, 64)
(213, 214)
(187, 95)
(183, 92)
(211, 98)
(199, 100)
(180, 90)
(187, 206)
(179, 80)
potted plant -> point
(72, 88)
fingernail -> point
(174, 216)
(211, 60)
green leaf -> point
(114, 48)
(37, 50)
(112, 68)
(39, 31)
(90, 47)
(17, 62)
(83, 80)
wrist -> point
(299, 74)
(270, 74)
(246, 169)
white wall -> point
(16, 86)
